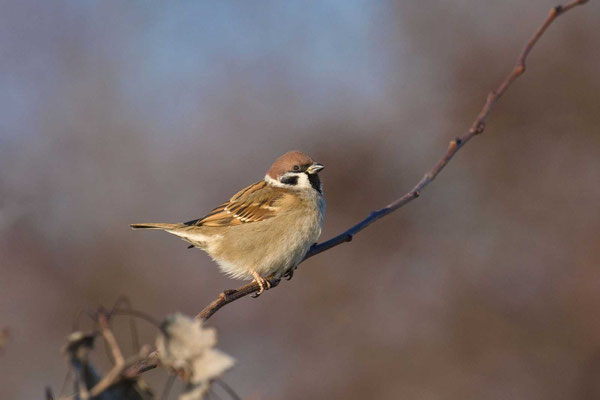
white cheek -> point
(303, 181)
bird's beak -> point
(316, 167)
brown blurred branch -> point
(477, 127)
(121, 365)
(118, 372)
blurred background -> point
(488, 286)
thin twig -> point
(477, 127)
(119, 371)
(63, 387)
(121, 365)
(136, 314)
(110, 339)
(143, 365)
(168, 386)
(135, 342)
(228, 389)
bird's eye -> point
(296, 168)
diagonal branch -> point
(477, 127)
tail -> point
(155, 226)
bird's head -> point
(295, 170)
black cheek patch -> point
(290, 180)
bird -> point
(266, 228)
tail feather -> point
(152, 225)
(188, 233)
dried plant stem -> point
(110, 339)
(121, 365)
(118, 372)
(477, 127)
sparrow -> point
(266, 228)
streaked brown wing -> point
(254, 203)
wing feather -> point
(254, 203)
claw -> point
(262, 283)
(289, 274)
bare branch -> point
(477, 127)
(121, 365)
(142, 366)
(119, 371)
(111, 341)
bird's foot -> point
(289, 274)
(263, 283)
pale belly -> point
(270, 247)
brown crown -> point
(287, 161)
